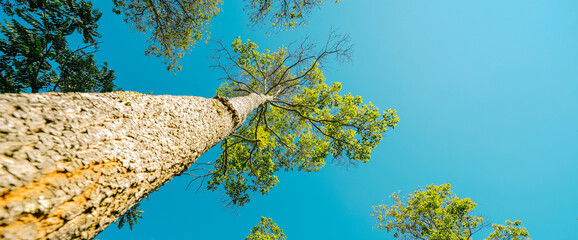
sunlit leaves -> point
(246, 165)
(282, 14)
(266, 230)
(431, 213)
(175, 25)
(306, 122)
(510, 231)
(437, 213)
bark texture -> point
(72, 163)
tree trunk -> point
(72, 163)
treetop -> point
(305, 122)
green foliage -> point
(36, 53)
(175, 25)
(436, 213)
(131, 217)
(282, 14)
(307, 121)
(512, 231)
(266, 230)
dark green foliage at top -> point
(35, 52)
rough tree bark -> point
(72, 163)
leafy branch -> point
(304, 122)
(36, 53)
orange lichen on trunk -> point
(47, 219)
(71, 164)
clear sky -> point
(487, 96)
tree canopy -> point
(177, 25)
(36, 53)
(435, 213)
(304, 122)
(510, 231)
(266, 230)
(282, 14)
(174, 25)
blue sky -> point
(486, 92)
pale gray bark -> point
(72, 163)
(247, 104)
